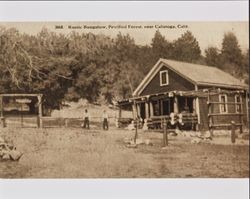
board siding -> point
(231, 108)
(176, 82)
(203, 113)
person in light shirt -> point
(86, 117)
(105, 117)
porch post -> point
(120, 112)
(176, 109)
(138, 106)
(134, 111)
(197, 109)
(151, 109)
(197, 106)
(194, 105)
(147, 109)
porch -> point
(180, 109)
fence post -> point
(233, 132)
(136, 133)
(165, 133)
(3, 124)
(66, 122)
(38, 122)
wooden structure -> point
(21, 108)
(194, 95)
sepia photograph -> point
(124, 99)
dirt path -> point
(74, 153)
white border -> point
(125, 189)
(125, 11)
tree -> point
(212, 56)
(231, 52)
(186, 48)
(245, 64)
(161, 47)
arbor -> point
(186, 48)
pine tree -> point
(186, 48)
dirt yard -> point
(77, 153)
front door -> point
(142, 110)
(166, 107)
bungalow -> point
(209, 97)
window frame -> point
(238, 105)
(167, 79)
(224, 103)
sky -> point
(207, 33)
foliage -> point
(230, 58)
(95, 66)
(212, 56)
(186, 48)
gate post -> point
(165, 133)
(39, 124)
(233, 132)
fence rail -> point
(50, 122)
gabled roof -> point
(195, 73)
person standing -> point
(86, 119)
(105, 117)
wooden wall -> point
(176, 82)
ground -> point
(78, 153)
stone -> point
(145, 127)
(131, 146)
(127, 140)
(199, 134)
(196, 141)
(148, 142)
(173, 133)
(186, 134)
(245, 136)
(1, 140)
(1, 153)
(15, 155)
(139, 141)
(193, 134)
(6, 157)
(131, 126)
(178, 131)
(207, 135)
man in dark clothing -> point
(86, 119)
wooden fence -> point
(51, 122)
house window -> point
(164, 78)
(237, 103)
(223, 105)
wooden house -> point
(209, 97)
